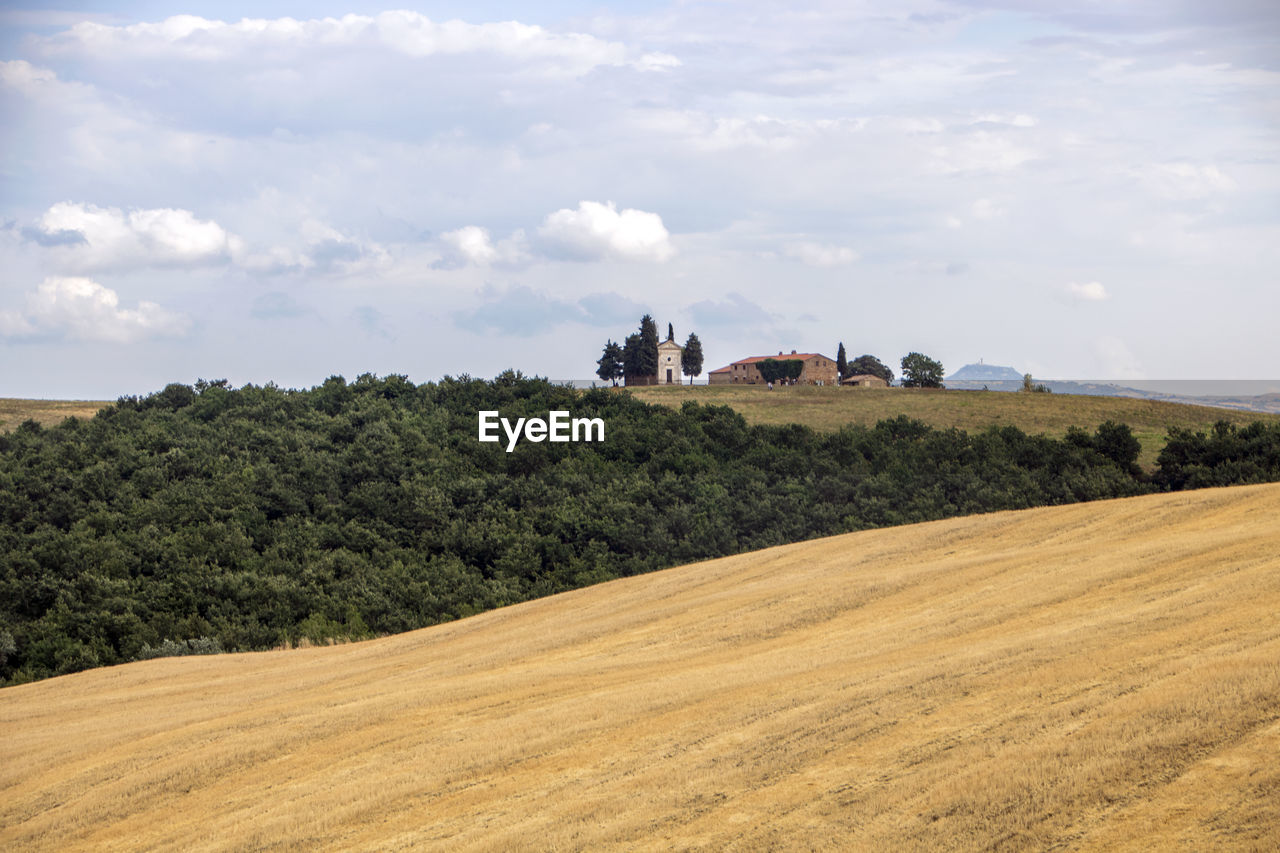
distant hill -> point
(1265, 403)
(984, 373)
(1091, 677)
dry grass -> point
(46, 412)
(1103, 676)
(1049, 414)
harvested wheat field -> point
(1099, 676)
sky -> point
(281, 192)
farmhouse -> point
(864, 380)
(818, 370)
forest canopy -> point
(207, 518)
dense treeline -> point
(1226, 455)
(209, 518)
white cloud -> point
(703, 131)
(86, 238)
(519, 311)
(75, 129)
(596, 231)
(1018, 120)
(409, 33)
(473, 245)
(276, 305)
(27, 79)
(13, 324)
(736, 311)
(83, 309)
(985, 208)
(982, 210)
(110, 238)
(275, 259)
(75, 104)
(591, 232)
(756, 132)
(766, 132)
(657, 62)
(1115, 360)
(906, 76)
(913, 124)
(1184, 181)
(979, 152)
(1092, 291)
(332, 252)
(819, 255)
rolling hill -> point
(1094, 676)
(972, 411)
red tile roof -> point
(801, 356)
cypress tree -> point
(691, 357)
(645, 362)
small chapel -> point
(669, 353)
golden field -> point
(14, 411)
(829, 408)
(1102, 676)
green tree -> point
(769, 369)
(203, 385)
(775, 370)
(631, 366)
(1118, 443)
(175, 396)
(842, 362)
(649, 335)
(691, 357)
(609, 367)
(920, 371)
(1223, 456)
(1032, 387)
(869, 365)
(671, 332)
(640, 353)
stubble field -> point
(1100, 676)
(14, 411)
